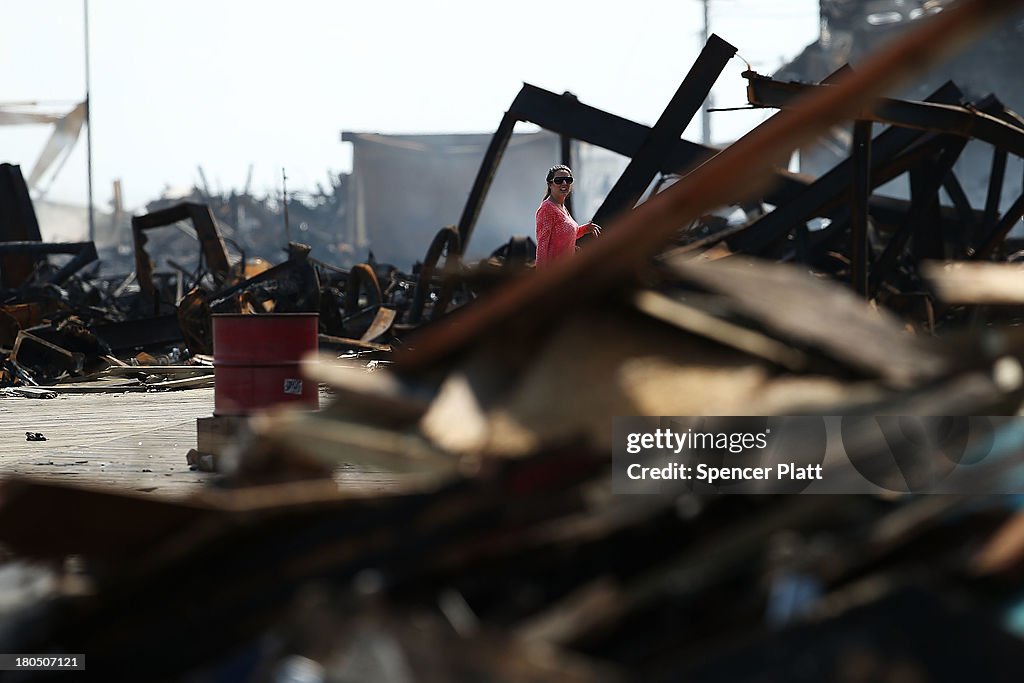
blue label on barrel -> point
(293, 386)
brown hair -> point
(551, 175)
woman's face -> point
(561, 184)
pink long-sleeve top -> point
(557, 233)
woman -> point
(557, 232)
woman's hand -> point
(595, 229)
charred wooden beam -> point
(926, 180)
(446, 242)
(485, 176)
(924, 200)
(1002, 229)
(565, 147)
(731, 175)
(128, 335)
(17, 224)
(652, 154)
(83, 253)
(888, 211)
(927, 116)
(569, 118)
(833, 186)
(968, 218)
(861, 154)
(997, 174)
(210, 241)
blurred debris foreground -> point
(500, 553)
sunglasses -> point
(561, 180)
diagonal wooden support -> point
(996, 175)
(18, 223)
(861, 155)
(964, 122)
(955, 191)
(886, 146)
(925, 198)
(1001, 230)
(484, 178)
(210, 242)
(834, 237)
(644, 165)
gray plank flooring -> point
(131, 441)
(128, 441)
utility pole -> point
(88, 126)
(565, 142)
(705, 115)
(284, 187)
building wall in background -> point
(404, 188)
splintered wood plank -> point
(977, 283)
(808, 311)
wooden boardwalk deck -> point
(131, 441)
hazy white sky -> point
(223, 84)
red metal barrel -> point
(257, 360)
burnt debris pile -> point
(62, 321)
(452, 515)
